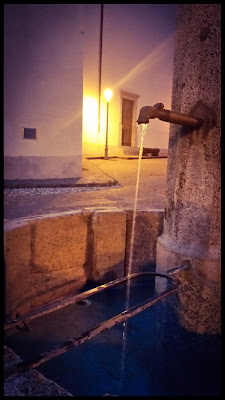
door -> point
(127, 119)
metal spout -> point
(159, 112)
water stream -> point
(125, 324)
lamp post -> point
(107, 94)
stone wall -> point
(54, 255)
(192, 224)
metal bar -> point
(106, 137)
(176, 270)
(12, 372)
(178, 118)
(56, 305)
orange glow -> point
(90, 119)
(91, 138)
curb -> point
(126, 157)
(53, 183)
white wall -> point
(138, 52)
(49, 50)
(43, 90)
(91, 34)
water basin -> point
(161, 357)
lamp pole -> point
(108, 94)
(106, 137)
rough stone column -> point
(192, 210)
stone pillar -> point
(192, 210)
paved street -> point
(29, 202)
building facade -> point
(42, 91)
(137, 65)
(58, 61)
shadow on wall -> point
(112, 275)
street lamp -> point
(107, 94)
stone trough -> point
(51, 256)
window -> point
(29, 133)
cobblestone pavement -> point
(36, 201)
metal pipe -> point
(173, 117)
(16, 369)
(57, 305)
(20, 367)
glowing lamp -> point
(108, 94)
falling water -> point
(143, 130)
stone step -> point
(29, 383)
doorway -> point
(128, 118)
